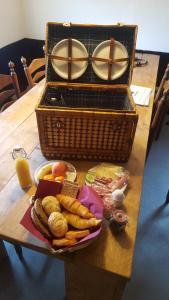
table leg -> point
(19, 252)
(88, 283)
(3, 252)
(167, 198)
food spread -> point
(109, 182)
(62, 219)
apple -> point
(59, 169)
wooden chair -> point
(164, 85)
(162, 105)
(9, 88)
(35, 71)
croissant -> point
(80, 223)
(74, 206)
(57, 243)
(76, 234)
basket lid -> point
(102, 54)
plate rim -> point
(99, 74)
(66, 75)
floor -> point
(41, 277)
(37, 277)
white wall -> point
(11, 21)
(150, 15)
(27, 18)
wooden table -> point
(101, 270)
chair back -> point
(35, 71)
(9, 87)
(162, 87)
(162, 106)
(161, 109)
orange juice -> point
(22, 167)
(23, 172)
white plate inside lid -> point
(61, 66)
(102, 51)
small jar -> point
(118, 220)
(22, 167)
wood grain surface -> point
(111, 253)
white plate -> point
(61, 66)
(108, 170)
(70, 174)
(102, 51)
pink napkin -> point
(87, 196)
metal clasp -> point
(68, 24)
(59, 124)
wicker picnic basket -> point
(90, 116)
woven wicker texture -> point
(90, 37)
(103, 137)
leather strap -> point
(66, 58)
(69, 58)
(110, 58)
(111, 61)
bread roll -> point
(50, 204)
(57, 224)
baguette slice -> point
(76, 234)
(58, 243)
(39, 226)
(74, 206)
(40, 212)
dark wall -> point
(28, 48)
(31, 48)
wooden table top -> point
(113, 253)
